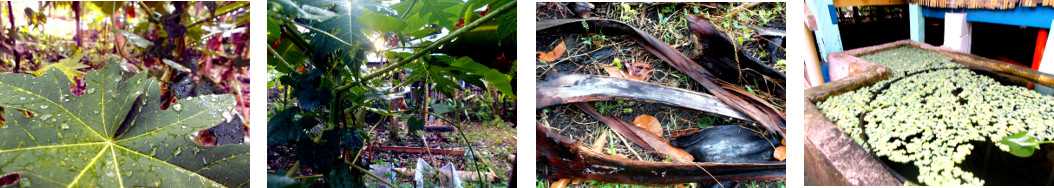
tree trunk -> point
(14, 46)
(77, 16)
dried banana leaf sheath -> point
(566, 88)
(758, 110)
(567, 159)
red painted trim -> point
(1041, 43)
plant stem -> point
(293, 170)
(428, 50)
(374, 176)
(280, 58)
(323, 32)
(308, 177)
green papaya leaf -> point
(292, 54)
(282, 129)
(134, 39)
(442, 12)
(108, 7)
(506, 23)
(343, 176)
(499, 80)
(283, 182)
(68, 66)
(345, 28)
(413, 125)
(74, 141)
(1021, 144)
(380, 22)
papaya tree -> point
(334, 62)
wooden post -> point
(812, 62)
(829, 39)
(918, 23)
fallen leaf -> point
(781, 153)
(649, 123)
(639, 71)
(577, 181)
(552, 55)
(601, 141)
(614, 71)
(560, 183)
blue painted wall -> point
(1021, 16)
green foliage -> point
(1021, 144)
(283, 182)
(68, 66)
(445, 13)
(282, 128)
(114, 135)
(331, 89)
(381, 23)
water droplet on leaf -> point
(178, 107)
(227, 116)
(90, 91)
(44, 106)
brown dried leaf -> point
(639, 71)
(613, 71)
(649, 123)
(601, 141)
(560, 183)
(781, 153)
(557, 52)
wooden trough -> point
(831, 156)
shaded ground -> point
(496, 144)
(666, 21)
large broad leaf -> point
(498, 79)
(346, 28)
(442, 12)
(108, 7)
(381, 22)
(114, 135)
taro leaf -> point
(1021, 144)
(381, 23)
(281, 129)
(135, 39)
(70, 141)
(68, 66)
